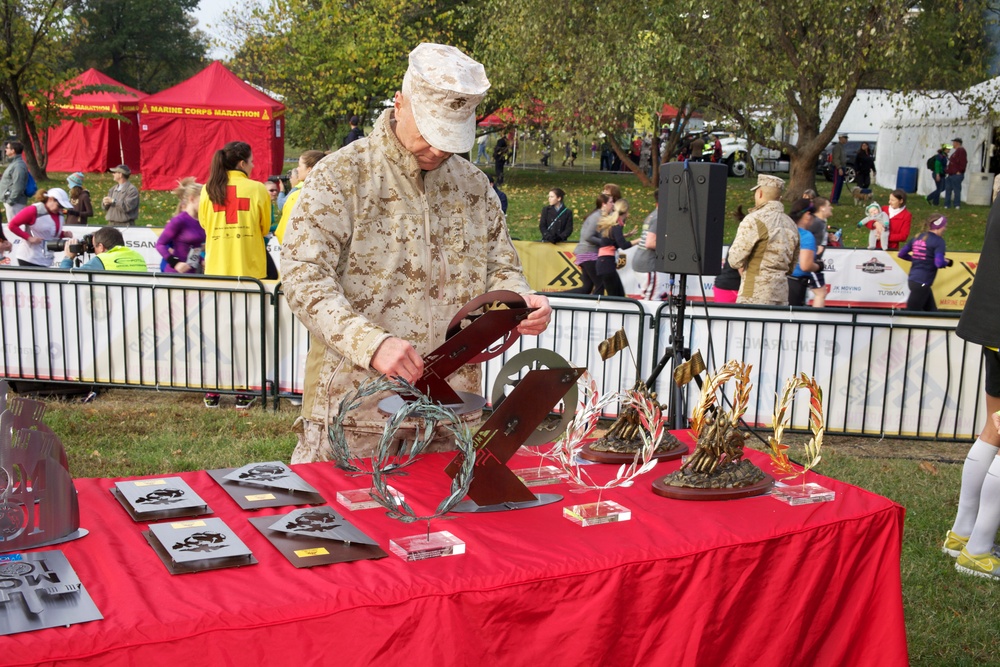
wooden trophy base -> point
(692, 493)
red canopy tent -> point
(183, 126)
(100, 143)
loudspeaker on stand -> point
(692, 208)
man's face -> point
(117, 175)
(428, 157)
(843, 140)
(9, 151)
(272, 189)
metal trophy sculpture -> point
(515, 421)
(38, 503)
(481, 330)
(717, 470)
(624, 440)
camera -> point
(86, 245)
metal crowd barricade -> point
(885, 373)
(135, 330)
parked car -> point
(824, 165)
(734, 153)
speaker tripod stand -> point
(675, 355)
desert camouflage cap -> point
(767, 180)
(444, 86)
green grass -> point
(950, 618)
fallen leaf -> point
(95, 454)
(177, 452)
(928, 467)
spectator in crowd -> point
(556, 221)
(354, 133)
(501, 195)
(955, 171)
(646, 156)
(864, 166)
(820, 231)
(899, 222)
(726, 287)
(235, 213)
(926, 250)
(79, 197)
(273, 185)
(653, 285)
(38, 224)
(593, 149)
(766, 247)
(609, 239)
(717, 150)
(585, 253)
(974, 530)
(801, 278)
(938, 166)
(182, 241)
(612, 190)
(877, 221)
(121, 206)
(14, 180)
(607, 156)
(499, 158)
(307, 161)
(481, 148)
(390, 238)
(695, 147)
(110, 253)
(810, 194)
(838, 159)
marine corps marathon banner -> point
(856, 277)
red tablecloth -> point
(743, 582)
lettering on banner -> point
(33, 301)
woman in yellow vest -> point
(236, 215)
(307, 161)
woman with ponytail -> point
(236, 215)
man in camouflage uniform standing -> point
(766, 247)
(392, 235)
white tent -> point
(919, 125)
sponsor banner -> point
(855, 277)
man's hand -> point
(537, 321)
(69, 254)
(395, 357)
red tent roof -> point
(669, 111)
(94, 78)
(100, 143)
(215, 87)
(183, 126)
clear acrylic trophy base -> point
(802, 494)
(540, 475)
(361, 499)
(427, 545)
(593, 514)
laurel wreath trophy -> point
(391, 458)
(567, 450)
(804, 493)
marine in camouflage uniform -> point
(766, 247)
(378, 249)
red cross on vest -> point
(233, 205)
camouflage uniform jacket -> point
(376, 249)
(766, 247)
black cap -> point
(799, 208)
(355, 120)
